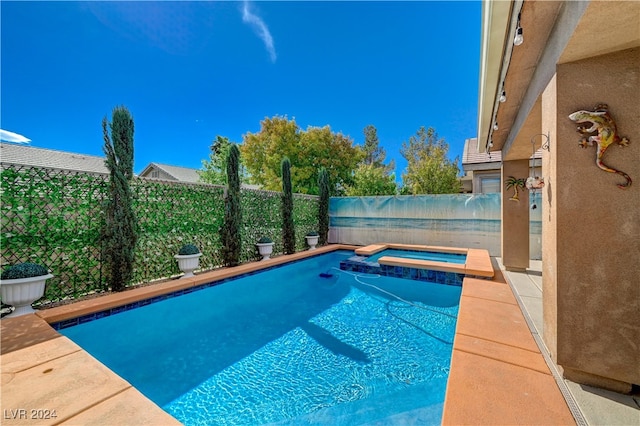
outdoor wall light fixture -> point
(518, 39)
(489, 145)
(536, 182)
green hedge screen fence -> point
(53, 217)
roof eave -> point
(496, 16)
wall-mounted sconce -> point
(534, 182)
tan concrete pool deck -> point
(498, 375)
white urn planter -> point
(188, 263)
(22, 292)
(265, 250)
(312, 241)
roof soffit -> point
(574, 31)
(618, 28)
(521, 147)
(537, 20)
(495, 25)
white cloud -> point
(8, 136)
(260, 28)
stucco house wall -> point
(591, 228)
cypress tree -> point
(119, 231)
(323, 207)
(288, 228)
(232, 213)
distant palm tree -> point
(515, 184)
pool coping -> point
(114, 300)
(478, 262)
(496, 376)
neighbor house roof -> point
(26, 155)
(474, 160)
(182, 174)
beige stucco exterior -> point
(579, 54)
(515, 219)
(594, 226)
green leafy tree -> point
(307, 151)
(374, 154)
(320, 147)
(323, 206)
(429, 170)
(214, 170)
(288, 226)
(371, 180)
(231, 240)
(372, 177)
(263, 151)
(119, 233)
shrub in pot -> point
(188, 249)
(312, 239)
(265, 247)
(188, 259)
(22, 284)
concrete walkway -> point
(595, 406)
(498, 374)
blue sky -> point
(189, 71)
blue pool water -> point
(421, 255)
(288, 346)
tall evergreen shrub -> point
(119, 231)
(232, 212)
(323, 206)
(288, 227)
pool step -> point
(361, 265)
(477, 265)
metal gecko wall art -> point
(601, 130)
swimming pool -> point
(456, 258)
(299, 343)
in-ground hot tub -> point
(442, 265)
